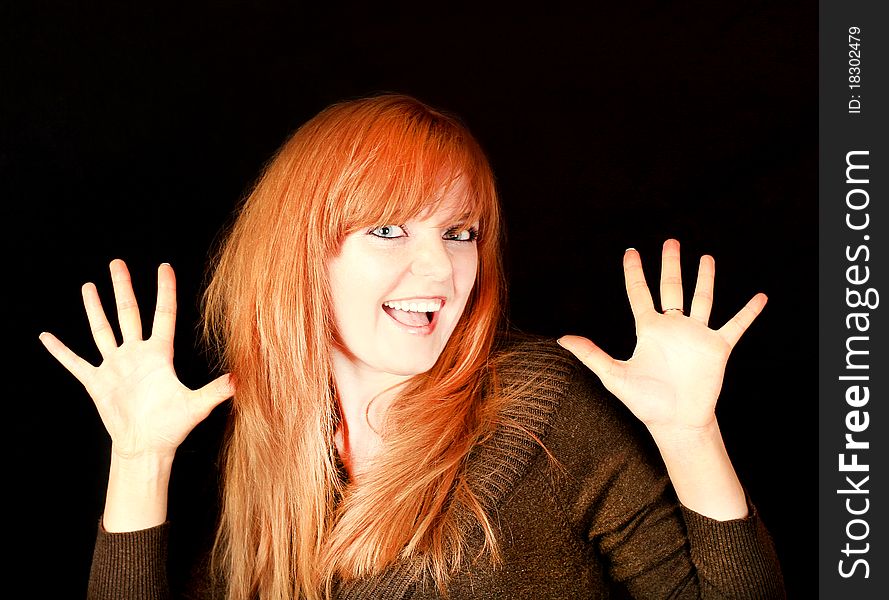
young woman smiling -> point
(388, 439)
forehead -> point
(454, 204)
(397, 200)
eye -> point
(387, 231)
(470, 234)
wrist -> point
(701, 471)
(686, 437)
(137, 491)
(690, 448)
(142, 461)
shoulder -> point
(536, 373)
(545, 399)
(568, 411)
(518, 357)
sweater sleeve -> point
(621, 501)
(130, 565)
(729, 555)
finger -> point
(732, 331)
(75, 365)
(164, 325)
(127, 308)
(99, 326)
(671, 276)
(637, 288)
(702, 301)
(213, 394)
(599, 361)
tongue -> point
(411, 319)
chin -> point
(413, 361)
(414, 367)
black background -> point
(133, 131)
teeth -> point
(428, 306)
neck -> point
(363, 395)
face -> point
(399, 289)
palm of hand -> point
(675, 373)
(141, 402)
(673, 379)
(136, 387)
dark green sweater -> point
(604, 524)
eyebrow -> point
(456, 219)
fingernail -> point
(628, 249)
(166, 263)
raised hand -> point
(142, 403)
(675, 374)
(672, 380)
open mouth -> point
(420, 316)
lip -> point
(424, 329)
(421, 298)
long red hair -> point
(289, 525)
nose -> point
(432, 260)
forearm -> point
(702, 473)
(137, 493)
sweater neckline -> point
(544, 370)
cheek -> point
(465, 271)
(360, 278)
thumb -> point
(215, 393)
(599, 361)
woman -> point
(387, 439)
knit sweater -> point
(593, 516)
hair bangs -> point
(400, 171)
